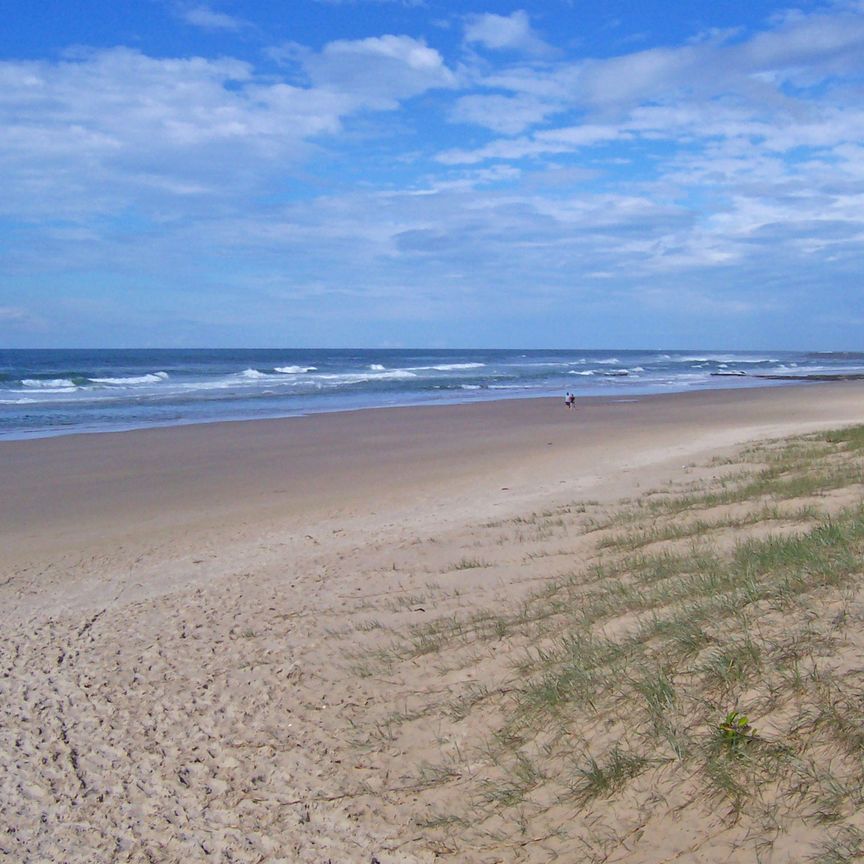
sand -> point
(183, 609)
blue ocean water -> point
(66, 391)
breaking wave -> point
(152, 378)
(49, 383)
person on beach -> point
(570, 401)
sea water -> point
(52, 392)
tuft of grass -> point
(841, 847)
(733, 664)
(852, 437)
(368, 625)
(841, 716)
(592, 779)
(461, 707)
(658, 691)
(523, 775)
(469, 564)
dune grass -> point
(705, 660)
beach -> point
(188, 615)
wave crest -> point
(151, 378)
(49, 383)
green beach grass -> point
(701, 667)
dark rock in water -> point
(824, 376)
(835, 355)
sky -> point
(406, 173)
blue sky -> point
(386, 174)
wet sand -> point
(66, 493)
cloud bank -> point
(470, 174)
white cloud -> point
(505, 32)
(207, 18)
(511, 149)
(658, 72)
(379, 70)
(409, 4)
(100, 130)
(18, 320)
(824, 43)
(586, 135)
(12, 313)
(805, 49)
(759, 89)
(506, 114)
(543, 143)
(92, 130)
(701, 303)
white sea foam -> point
(446, 367)
(249, 378)
(49, 383)
(722, 358)
(392, 375)
(581, 372)
(49, 391)
(193, 387)
(453, 367)
(18, 401)
(612, 361)
(377, 367)
(362, 377)
(152, 378)
(469, 387)
(295, 370)
(688, 380)
(794, 368)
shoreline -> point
(754, 381)
(765, 382)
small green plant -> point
(735, 732)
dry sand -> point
(183, 610)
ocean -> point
(56, 392)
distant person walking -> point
(570, 401)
